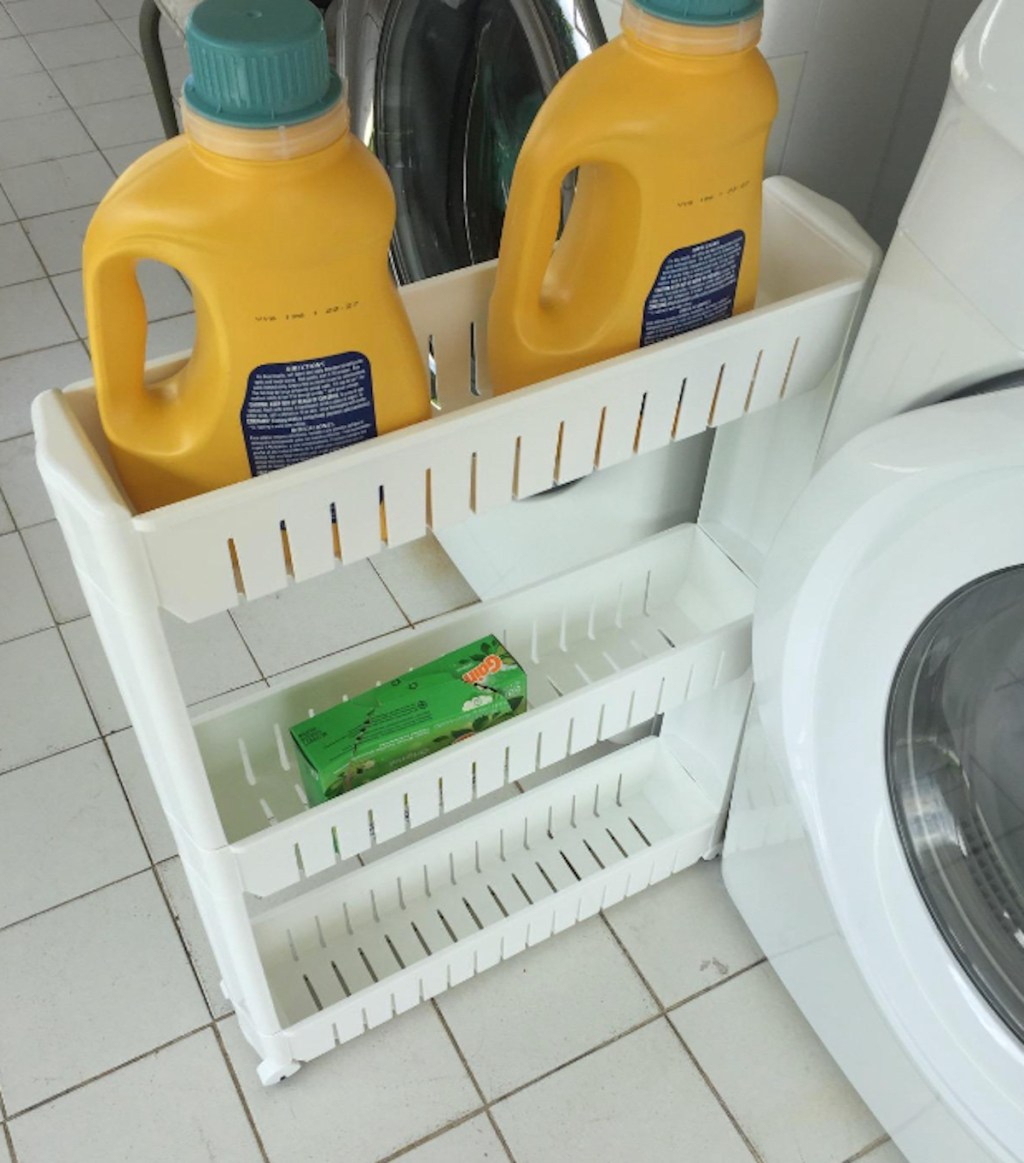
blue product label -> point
(695, 286)
(293, 411)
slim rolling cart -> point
(328, 921)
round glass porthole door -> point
(955, 756)
(458, 83)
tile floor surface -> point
(655, 1033)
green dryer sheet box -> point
(416, 714)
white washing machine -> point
(876, 838)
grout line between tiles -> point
(241, 1094)
(677, 1005)
(72, 899)
(648, 1021)
(111, 1070)
(714, 1090)
(104, 739)
(472, 1077)
(629, 958)
(391, 595)
(873, 1146)
(180, 931)
(10, 1143)
(404, 1150)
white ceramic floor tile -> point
(162, 287)
(23, 609)
(639, 1098)
(122, 156)
(545, 1006)
(6, 209)
(685, 933)
(122, 122)
(32, 93)
(20, 482)
(317, 618)
(44, 707)
(170, 37)
(46, 15)
(5, 1154)
(31, 318)
(170, 336)
(42, 136)
(422, 579)
(76, 46)
(49, 553)
(186, 916)
(121, 9)
(67, 829)
(23, 377)
(18, 262)
(886, 1153)
(58, 238)
(7, 28)
(89, 985)
(17, 58)
(97, 81)
(131, 767)
(772, 1072)
(178, 67)
(471, 1142)
(385, 1089)
(6, 520)
(69, 287)
(178, 1104)
(210, 658)
(63, 184)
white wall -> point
(860, 85)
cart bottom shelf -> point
(406, 927)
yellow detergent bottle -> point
(667, 125)
(280, 220)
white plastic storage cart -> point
(328, 921)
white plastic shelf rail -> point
(325, 922)
(477, 453)
(350, 955)
(604, 648)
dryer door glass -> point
(458, 83)
(955, 744)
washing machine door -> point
(889, 668)
(444, 92)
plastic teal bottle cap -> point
(708, 12)
(259, 63)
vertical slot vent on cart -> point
(557, 475)
(385, 525)
(600, 438)
(714, 398)
(789, 368)
(640, 423)
(236, 568)
(335, 532)
(474, 386)
(679, 408)
(753, 381)
(432, 374)
(286, 550)
(473, 466)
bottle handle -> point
(530, 231)
(134, 414)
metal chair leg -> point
(156, 66)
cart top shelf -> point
(207, 554)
